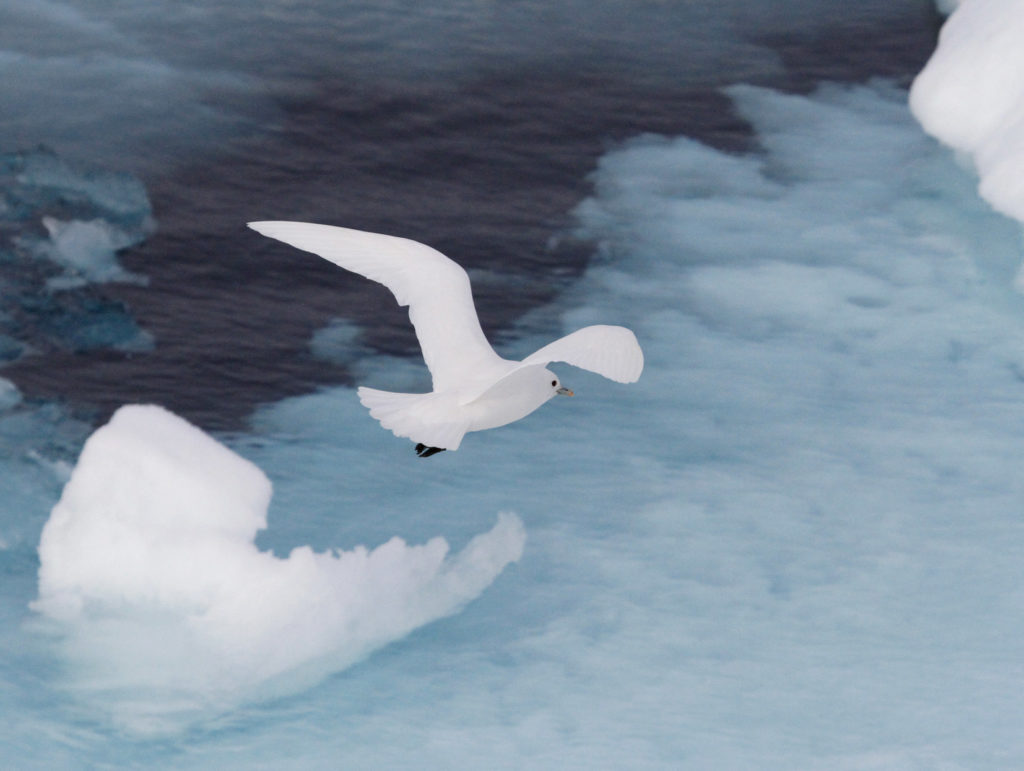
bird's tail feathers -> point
(426, 418)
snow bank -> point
(165, 608)
(971, 95)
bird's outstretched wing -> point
(436, 290)
(607, 350)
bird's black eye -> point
(554, 383)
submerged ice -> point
(61, 228)
(77, 219)
(166, 612)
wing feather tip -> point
(268, 228)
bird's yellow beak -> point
(564, 392)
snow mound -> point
(165, 609)
(971, 95)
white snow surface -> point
(165, 609)
(971, 96)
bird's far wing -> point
(607, 350)
(436, 290)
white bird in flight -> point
(473, 387)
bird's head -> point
(556, 385)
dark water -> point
(485, 166)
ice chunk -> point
(89, 249)
(167, 610)
(86, 216)
(971, 95)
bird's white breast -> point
(513, 397)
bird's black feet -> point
(425, 452)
